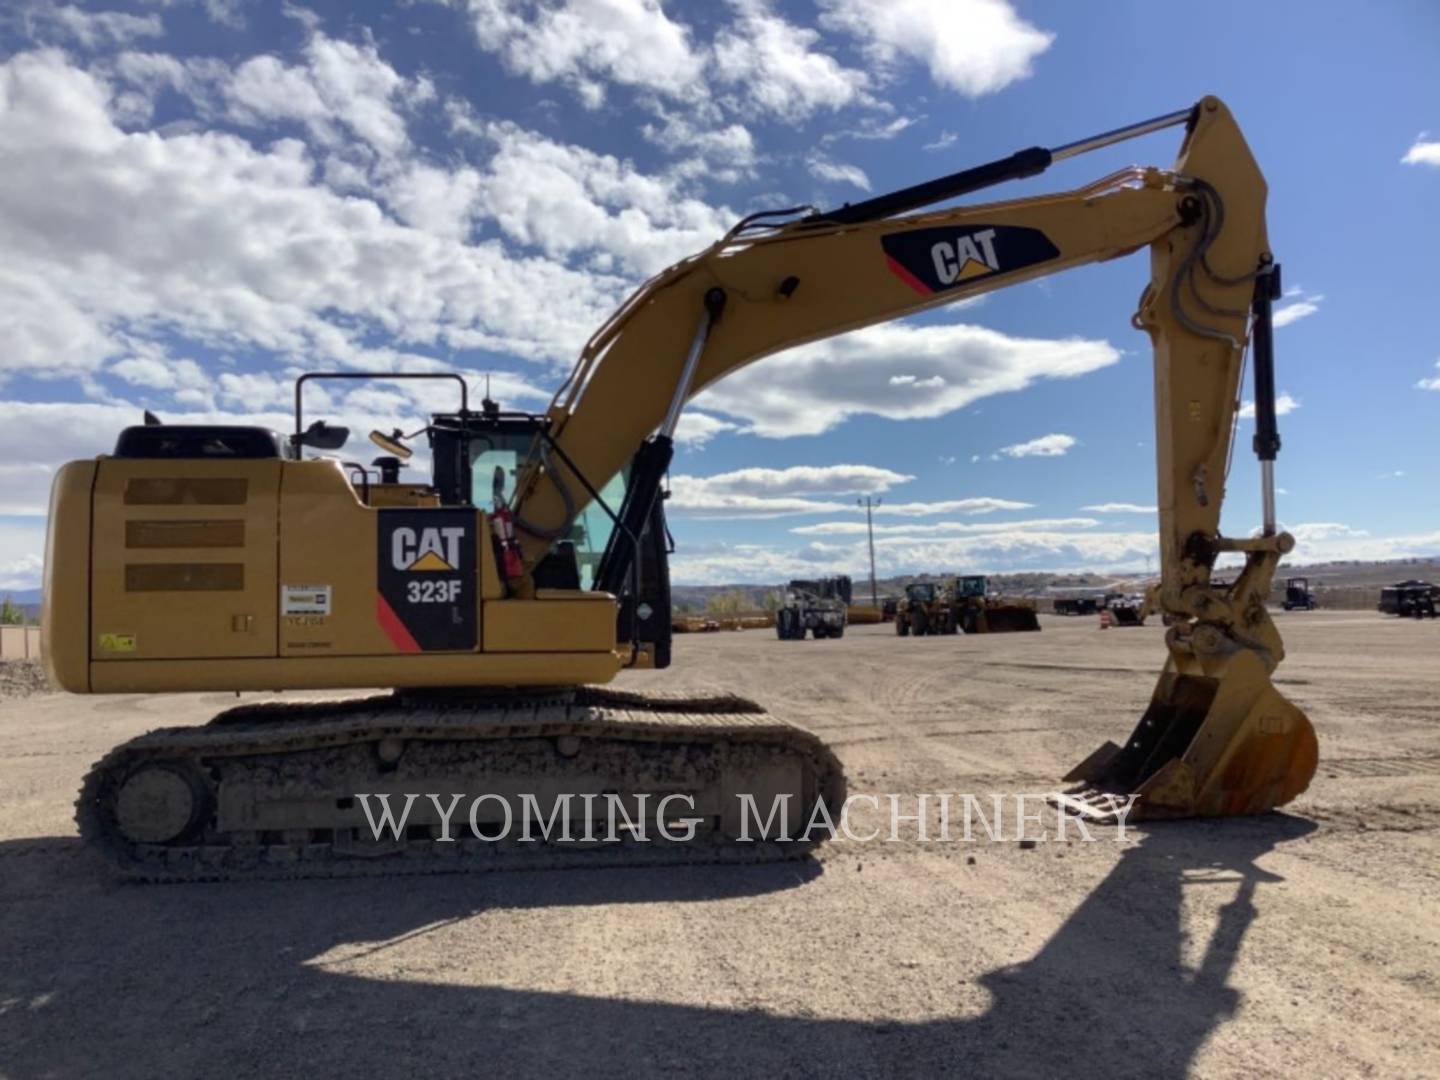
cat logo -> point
(971, 255)
(939, 259)
(425, 549)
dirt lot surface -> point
(21, 678)
(1297, 944)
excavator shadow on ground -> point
(199, 980)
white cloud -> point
(1326, 541)
(1423, 152)
(873, 130)
(90, 29)
(723, 152)
(339, 83)
(775, 68)
(222, 12)
(943, 141)
(1432, 383)
(587, 43)
(804, 480)
(812, 389)
(201, 234)
(765, 493)
(696, 428)
(933, 382)
(692, 499)
(1020, 545)
(39, 436)
(568, 201)
(21, 571)
(1120, 508)
(1284, 405)
(1019, 548)
(1053, 445)
(1301, 306)
(835, 172)
(943, 528)
(975, 47)
(979, 505)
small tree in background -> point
(11, 613)
(733, 602)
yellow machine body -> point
(267, 574)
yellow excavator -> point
(497, 598)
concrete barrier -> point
(19, 643)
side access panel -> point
(183, 559)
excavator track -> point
(271, 790)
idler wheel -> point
(161, 802)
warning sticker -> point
(305, 599)
(117, 642)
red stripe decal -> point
(907, 277)
(394, 629)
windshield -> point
(507, 453)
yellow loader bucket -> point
(1001, 619)
(1217, 740)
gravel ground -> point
(1304, 943)
(21, 678)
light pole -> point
(870, 529)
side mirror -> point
(321, 436)
(391, 444)
(497, 483)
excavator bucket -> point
(1218, 740)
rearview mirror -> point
(321, 436)
(391, 444)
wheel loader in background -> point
(980, 612)
(533, 562)
(817, 606)
(926, 608)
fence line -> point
(19, 643)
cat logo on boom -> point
(425, 549)
(971, 255)
(933, 260)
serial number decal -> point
(305, 599)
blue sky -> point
(205, 196)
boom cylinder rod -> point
(714, 305)
(1120, 134)
(1267, 431)
(1022, 163)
